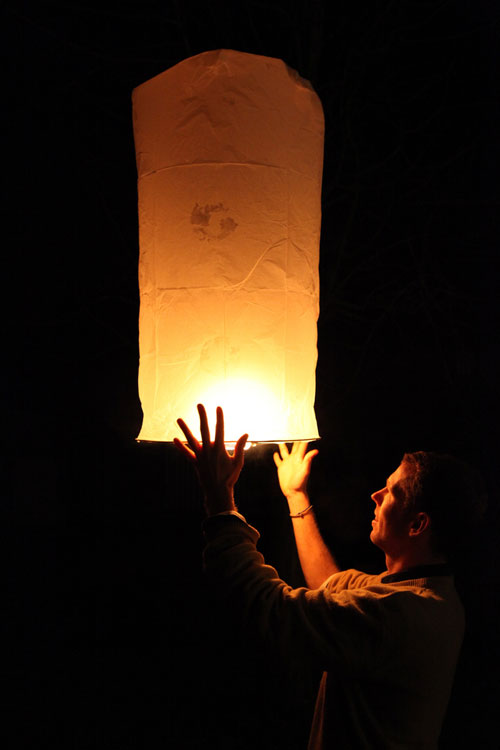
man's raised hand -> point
(294, 468)
(218, 471)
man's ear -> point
(420, 523)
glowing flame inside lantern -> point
(249, 407)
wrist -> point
(220, 501)
(297, 500)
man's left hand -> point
(218, 471)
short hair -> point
(450, 492)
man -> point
(387, 644)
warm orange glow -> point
(248, 407)
(229, 157)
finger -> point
(309, 456)
(283, 450)
(219, 427)
(182, 448)
(300, 448)
(239, 450)
(205, 432)
(193, 443)
(277, 459)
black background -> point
(115, 643)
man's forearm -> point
(316, 560)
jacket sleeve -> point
(345, 629)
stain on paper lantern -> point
(207, 229)
(229, 153)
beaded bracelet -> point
(302, 513)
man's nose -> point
(377, 496)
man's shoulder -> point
(422, 600)
(381, 583)
(351, 579)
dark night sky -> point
(105, 580)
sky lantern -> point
(229, 150)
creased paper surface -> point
(229, 153)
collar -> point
(419, 571)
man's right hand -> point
(294, 468)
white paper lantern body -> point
(229, 155)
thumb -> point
(308, 459)
(239, 450)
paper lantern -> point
(229, 156)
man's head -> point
(396, 528)
(431, 500)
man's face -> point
(391, 523)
